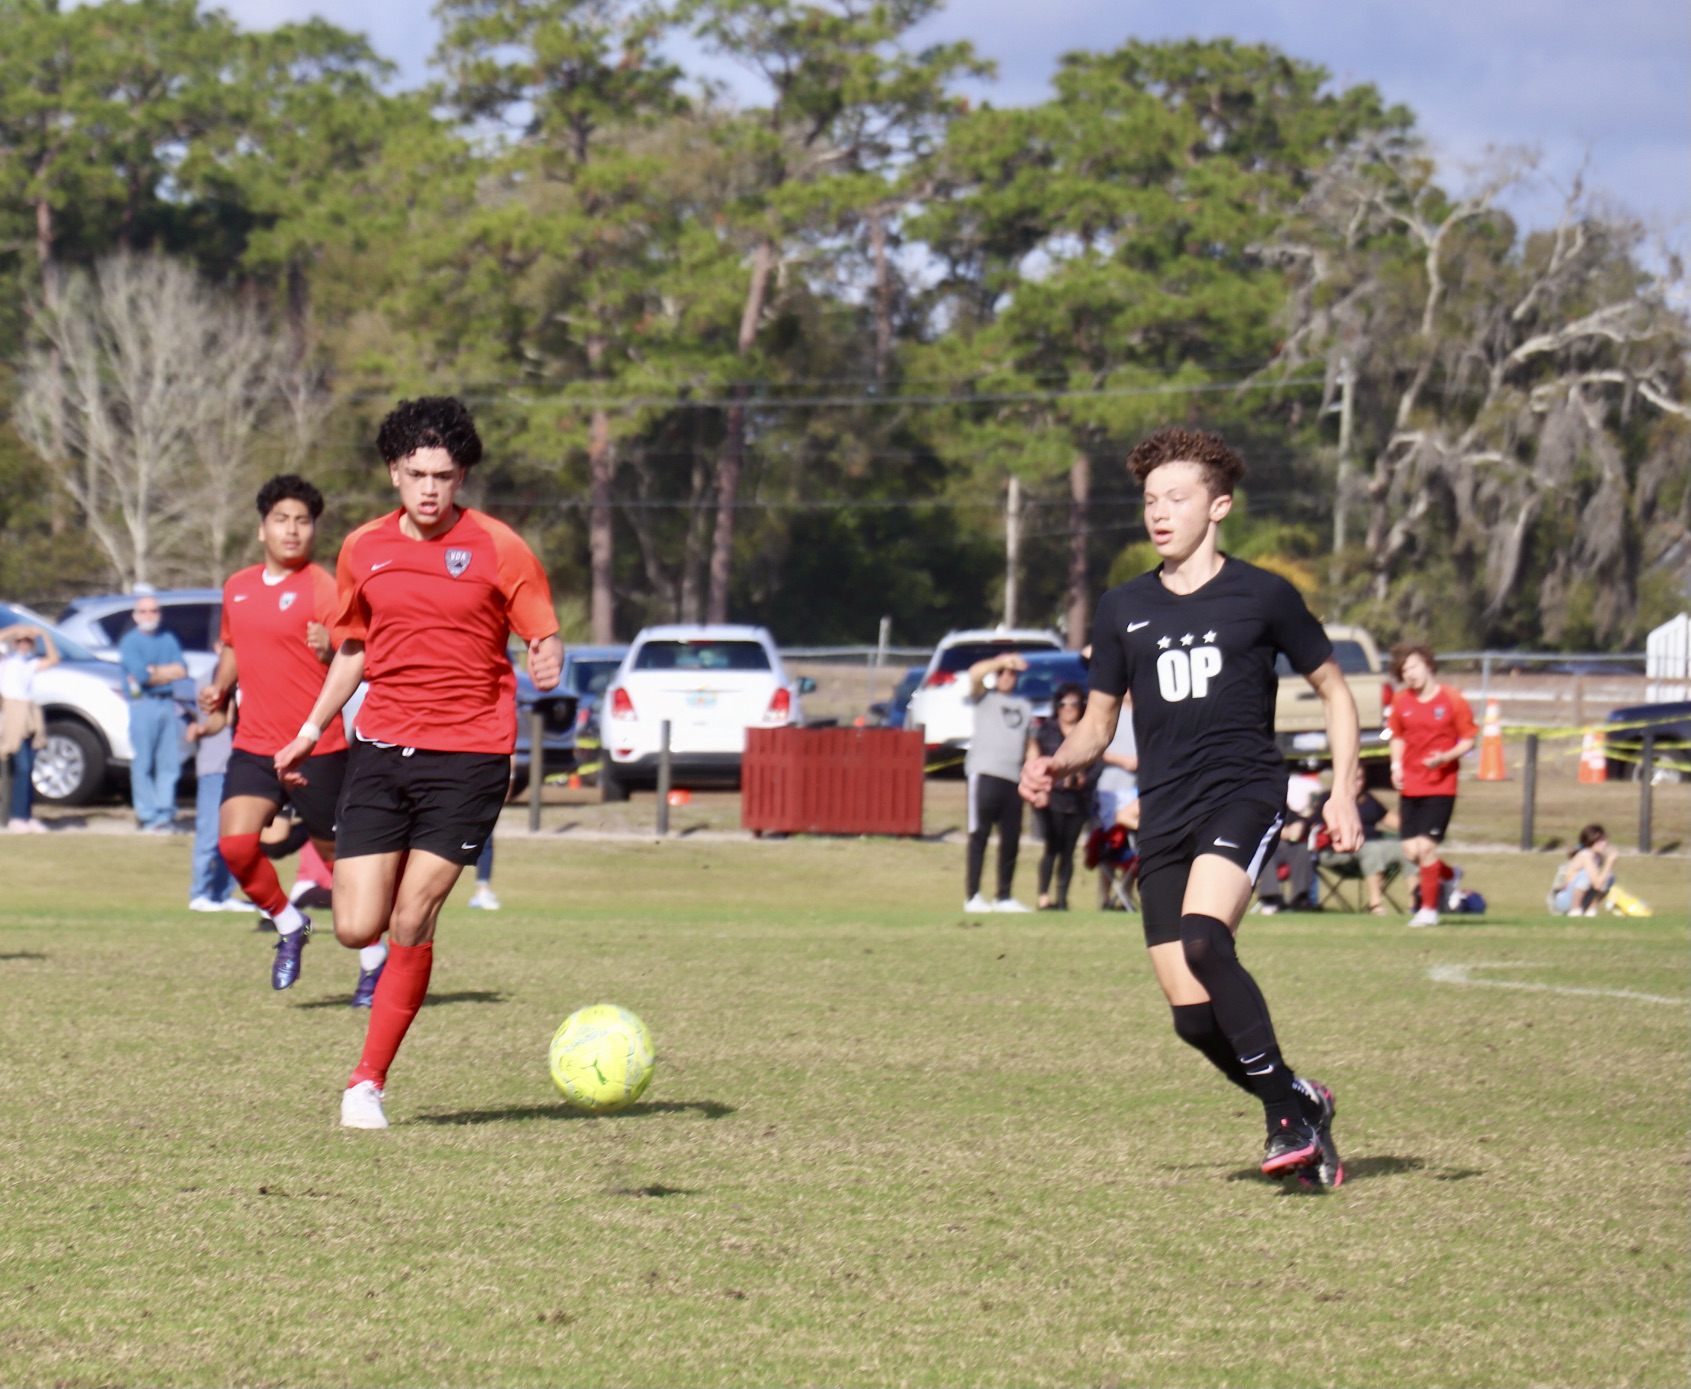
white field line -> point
(1458, 974)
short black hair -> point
(288, 487)
(1063, 691)
(430, 422)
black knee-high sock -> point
(1195, 1024)
(1241, 1012)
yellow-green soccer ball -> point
(601, 1059)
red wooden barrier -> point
(832, 781)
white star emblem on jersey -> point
(1187, 640)
(1209, 636)
(1163, 643)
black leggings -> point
(1061, 829)
(993, 801)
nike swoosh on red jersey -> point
(375, 567)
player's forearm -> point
(346, 671)
(1091, 736)
(228, 671)
(1344, 733)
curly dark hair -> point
(1222, 468)
(1404, 650)
(430, 422)
(286, 487)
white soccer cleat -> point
(483, 898)
(1009, 904)
(1425, 917)
(361, 1107)
(204, 904)
(977, 904)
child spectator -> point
(1588, 875)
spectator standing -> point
(213, 885)
(1063, 817)
(152, 661)
(484, 898)
(1432, 728)
(1000, 741)
(22, 731)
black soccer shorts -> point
(444, 803)
(1244, 831)
(1424, 816)
(249, 774)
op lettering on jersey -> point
(1201, 668)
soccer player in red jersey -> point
(1432, 728)
(428, 597)
(276, 648)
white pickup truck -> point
(1299, 725)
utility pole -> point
(1347, 423)
(1012, 547)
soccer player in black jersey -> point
(1195, 641)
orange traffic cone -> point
(1491, 745)
(1593, 765)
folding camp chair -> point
(1113, 853)
(1340, 876)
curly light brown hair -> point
(1404, 650)
(1221, 467)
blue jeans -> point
(155, 732)
(23, 789)
(212, 877)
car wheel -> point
(611, 786)
(71, 769)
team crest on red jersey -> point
(288, 600)
(457, 561)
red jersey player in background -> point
(428, 597)
(1432, 728)
(276, 647)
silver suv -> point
(193, 615)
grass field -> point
(883, 1147)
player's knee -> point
(1207, 944)
(355, 932)
(1194, 1023)
(241, 852)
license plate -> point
(702, 699)
(1309, 742)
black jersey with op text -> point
(1201, 670)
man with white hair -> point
(152, 661)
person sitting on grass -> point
(1588, 875)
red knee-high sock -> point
(255, 873)
(1432, 876)
(399, 995)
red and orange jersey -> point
(434, 616)
(1428, 726)
(279, 673)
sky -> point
(1604, 83)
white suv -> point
(940, 706)
(711, 683)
